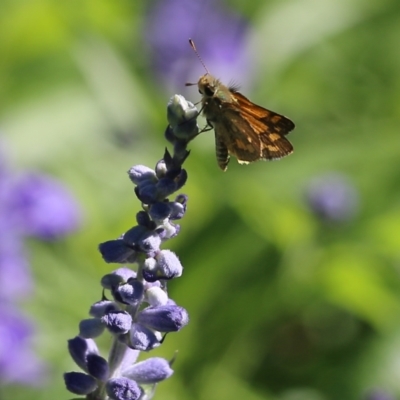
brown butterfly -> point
(242, 129)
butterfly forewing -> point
(276, 122)
(250, 132)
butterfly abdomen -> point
(222, 153)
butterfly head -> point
(207, 85)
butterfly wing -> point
(249, 132)
(276, 122)
(269, 126)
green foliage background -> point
(281, 306)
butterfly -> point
(242, 128)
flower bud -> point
(143, 339)
(117, 322)
(140, 173)
(168, 318)
(123, 389)
(152, 370)
(91, 328)
(79, 383)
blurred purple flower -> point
(378, 394)
(15, 277)
(218, 32)
(18, 363)
(44, 207)
(332, 198)
(31, 204)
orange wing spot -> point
(274, 137)
(276, 118)
(272, 148)
(240, 144)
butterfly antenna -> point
(192, 45)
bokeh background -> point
(292, 268)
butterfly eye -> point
(208, 91)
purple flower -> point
(123, 389)
(168, 318)
(135, 327)
(378, 394)
(118, 322)
(18, 363)
(152, 370)
(219, 34)
(43, 207)
(79, 383)
(34, 204)
(15, 277)
(332, 198)
(165, 265)
(31, 204)
(127, 375)
(144, 339)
